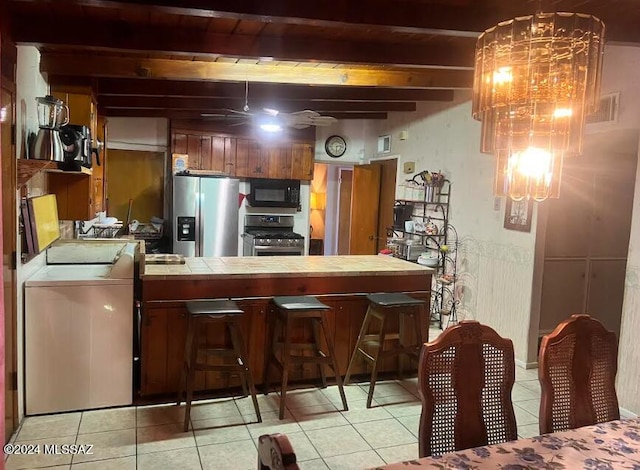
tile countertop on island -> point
(284, 266)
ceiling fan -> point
(269, 119)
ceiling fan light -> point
(270, 127)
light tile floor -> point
(224, 432)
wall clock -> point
(335, 146)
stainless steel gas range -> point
(271, 235)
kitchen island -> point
(340, 281)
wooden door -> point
(136, 175)
(388, 170)
(344, 211)
(365, 201)
(8, 267)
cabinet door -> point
(81, 108)
(213, 153)
(241, 167)
(613, 204)
(163, 333)
(569, 221)
(230, 156)
(179, 143)
(194, 150)
(563, 291)
(73, 194)
(98, 194)
(302, 162)
(279, 161)
(258, 165)
(606, 292)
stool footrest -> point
(219, 367)
(218, 352)
(302, 346)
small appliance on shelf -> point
(76, 146)
(52, 114)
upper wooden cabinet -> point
(82, 105)
(79, 196)
(243, 157)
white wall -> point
(621, 73)
(147, 134)
(353, 132)
(495, 265)
(29, 85)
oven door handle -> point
(278, 248)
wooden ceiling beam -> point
(411, 16)
(186, 114)
(121, 36)
(127, 67)
(257, 91)
(465, 19)
(205, 104)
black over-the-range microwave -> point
(274, 193)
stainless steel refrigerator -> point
(205, 215)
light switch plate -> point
(409, 167)
(497, 203)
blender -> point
(52, 114)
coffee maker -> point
(52, 114)
(76, 146)
(401, 214)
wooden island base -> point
(164, 292)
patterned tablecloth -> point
(604, 446)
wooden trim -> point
(185, 289)
(208, 105)
(258, 91)
(304, 136)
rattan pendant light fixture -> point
(536, 78)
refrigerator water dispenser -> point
(186, 229)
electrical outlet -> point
(497, 203)
(409, 167)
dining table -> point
(610, 445)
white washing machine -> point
(79, 337)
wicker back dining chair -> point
(465, 378)
(577, 370)
(275, 452)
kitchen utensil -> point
(52, 113)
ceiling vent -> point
(607, 111)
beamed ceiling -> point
(345, 58)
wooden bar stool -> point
(288, 309)
(380, 307)
(202, 313)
